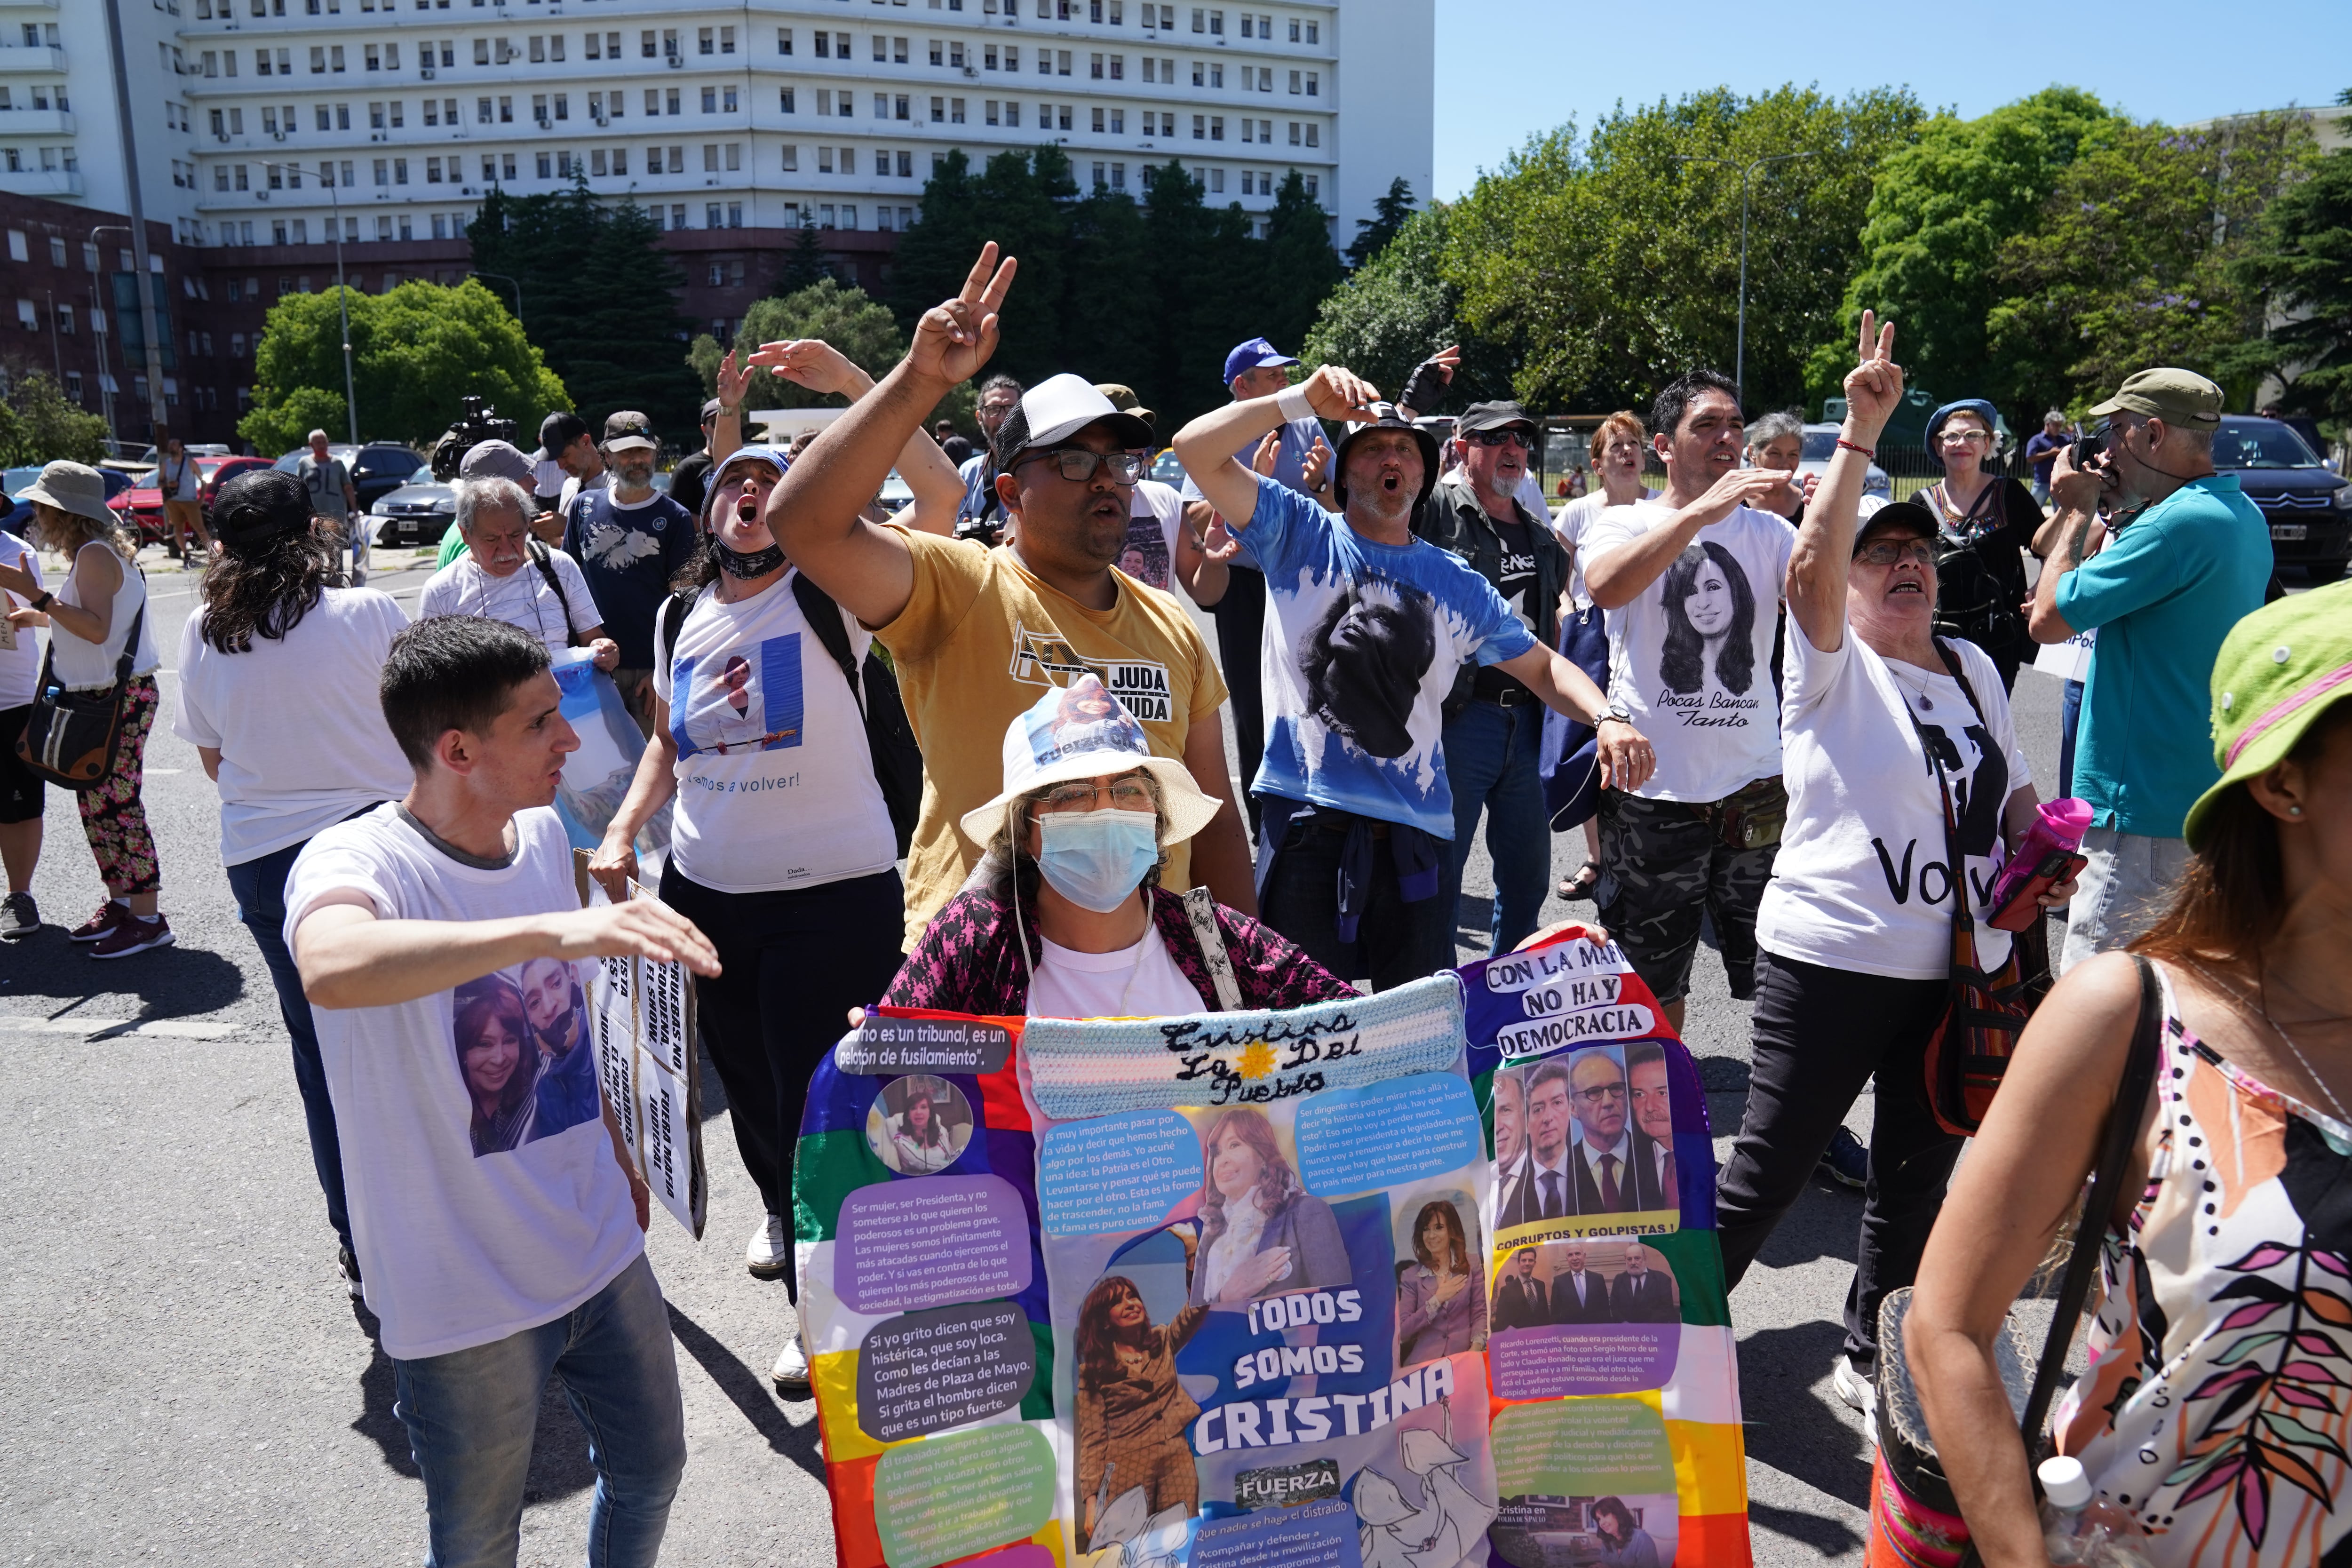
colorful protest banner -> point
(647, 1062)
(1614, 1363)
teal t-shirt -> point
(2162, 595)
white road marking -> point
(109, 1028)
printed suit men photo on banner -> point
(1586, 1156)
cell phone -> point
(2022, 910)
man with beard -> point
(630, 540)
(1640, 1294)
(1368, 627)
(1494, 725)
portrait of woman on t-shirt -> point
(1710, 622)
(497, 1061)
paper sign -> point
(2068, 660)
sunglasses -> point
(1523, 440)
(1077, 464)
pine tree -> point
(1372, 234)
(806, 266)
(1301, 268)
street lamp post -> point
(98, 331)
(1739, 362)
(342, 303)
(513, 284)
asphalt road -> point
(186, 1380)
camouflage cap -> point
(2177, 396)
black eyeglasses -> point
(1523, 440)
(1077, 464)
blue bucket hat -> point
(1936, 422)
(775, 457)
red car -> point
(145, 503)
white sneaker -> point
(770, 1251)
(791, 1375)
(1852, 1386)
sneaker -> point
(1853, 1384)
(110, 915)
(770, 1251)
(19, 917)
(1845, 1160)
(348, 1268)
(791, 1374)
(133, 935)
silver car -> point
(1821, 446)
(418, 513)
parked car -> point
(19, 516)
(416, 513)
(145, 500)
(1166, 469)
(377, 469)
(2309, 507)
(193, 449)
(1821, 446)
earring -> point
(2294, 811)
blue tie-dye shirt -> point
(1362, 643)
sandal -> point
(1581, 886)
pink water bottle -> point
(2046, 858)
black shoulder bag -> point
(72, 737)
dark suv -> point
(2308, 507)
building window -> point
(988, 111)
(791, 158)
(734, 160)
(955, 111)
(824, 160)
(906, 165)
(1314, 84)
(783, 40)
(1311, 182)
(785, 104)
(899, 107)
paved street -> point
(186, 1380)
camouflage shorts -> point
(1664, 865)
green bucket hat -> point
(2278, 669)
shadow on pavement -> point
(1829, 1537)
(559, 1443)
(1789, 1425)
(750, 1393)
(169, 983)
(1825, 1222)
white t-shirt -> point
(1690, 656)
(547, 476)
(479, 1208)
(1138, 982)
(1861, 882)
(520, 598)
(570, 488)
(84, 665)
(1570, 524)
(775, 786)
(297, 721)
(20, 666)
(1154, 515)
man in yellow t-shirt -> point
(975, 632)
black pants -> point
(1818, 1035)
(791, 964)
(1396, 943)
(1241, 627)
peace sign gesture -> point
(954, 338)
(1873, 388)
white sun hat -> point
(1080, 731)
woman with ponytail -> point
(278, 670)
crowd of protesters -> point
(1776, 710)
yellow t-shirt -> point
(979, 643)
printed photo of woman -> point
(1623, 1542)
(1710, 622)
(1131, 1412)
(497, 1062)
(1440, 1310)
(924, 1137)
(1261, 1233)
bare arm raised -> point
(1824, 548)
(813, 511)
(1207, 445)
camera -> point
(2085, 448)
(479, 423)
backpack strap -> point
(545, 560)
(824, 617)
(1201, 909)
(673, 617)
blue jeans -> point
(259, 889)
(2070, 724)
(1492, 757)
(471, 1415)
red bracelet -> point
(1849, 447)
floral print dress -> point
(2218, 1405)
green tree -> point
(2137, 260)
(806, 265)
(1389, 215)
(38, 425)
(1398, 309)
(2302, 259)
(1300, 268)
(599, 295)
(837, 314)
(934, 255)
(414, 353)
(1614, 261)
(1940, 211)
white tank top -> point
(83, 666)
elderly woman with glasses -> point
(1986, 523)
(1065, 917)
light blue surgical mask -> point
(1097, 859)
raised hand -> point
(1742, 486)
(1263, 459)
(1874, 387)
(734, 379)
(1336, 394)
(1217, 540)
(807, 362)
(955, 338)
(1316, 465)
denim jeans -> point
(1492, 757)
(259, 889)
(2070, 724)
(2126, 886)
(471, 1415)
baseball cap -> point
(1252, 354)
(258, 506)
(2278, 669)
(1386, 417)
(709, 410)
(1080, 731)
(2167, 393)
(1895, 517)
(629, 431)
(497, 460)
(1060, 406)
(1496, 416)
(1123, 398)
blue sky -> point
(1510, 68)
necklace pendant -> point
(1927, 703)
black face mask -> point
(756, 563)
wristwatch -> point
(44, 600)
(1615, 710)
